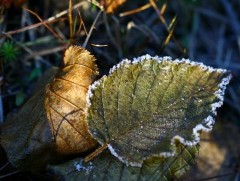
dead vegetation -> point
(205, 31)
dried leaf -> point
(65, 101)
(106, 167)
(27, 135)
(111, 5)
(143, 106)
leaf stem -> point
(95, 153)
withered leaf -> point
(106, 167)
(144, 105)
(65, 101)
(26, 137)
(111, 5)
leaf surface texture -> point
(143, 105)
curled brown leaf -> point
(65, 101)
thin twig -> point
(47, 21)
(6, 164)
(95, 153)
(45, 52)
(112, 38)
(9, 174)
(170, 32)
(91, 29)
(45, 24)
(142, 8)
(27, 28)
(81, 24)
(160, 15)
(168, 28)
(98, 45)
(66, 11)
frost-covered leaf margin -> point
(208, 121)
(106, 167)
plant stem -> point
(95, 153)
(92, 27)
(70, 21)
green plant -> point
(9, 51)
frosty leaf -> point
(65, 101)
(106, 167)
(144, 105)
(27, 136)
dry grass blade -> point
(91, 29)
(65, 11)
(28, 27)
(81, 25)
(111, 5)
(46, 25)
(96, 3)
(172, 23)
(163, 9)
(52, 19)
(160, 13)
(142, 8)
(45, 52)
(97, 45)
(8, 175)
(113, 39)
(70, 22)
(4, 166)
(170, 30)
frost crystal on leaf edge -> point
(114, 153)
(79, 167)
(209, 121)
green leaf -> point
(35, 73)
(106, 167)
(19, 98)
(144, 105)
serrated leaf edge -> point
(209, 121)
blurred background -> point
(34, 35)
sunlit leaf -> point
(65, 101)
(144, 105)
(106, 167)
